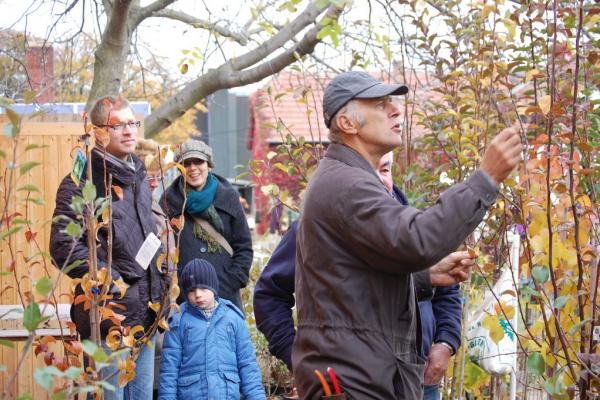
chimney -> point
(40, 67)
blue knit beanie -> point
(199, 274)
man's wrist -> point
(447, 345)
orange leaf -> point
(80, 299)
(118, 191)
(102, 136)
(62, 364)
(74, 347)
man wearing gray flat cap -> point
(357, 247)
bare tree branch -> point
(308, 16)
(240, 37)
(226, 76)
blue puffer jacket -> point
(209, 359)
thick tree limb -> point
(273, 66)
(158, 5)
(111, 55)
(240, 37)
(227, 76)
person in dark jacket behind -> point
(132, 224)
(357, 247)
(215, 227)
(440, 314)
(207, 353)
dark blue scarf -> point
(199, 201)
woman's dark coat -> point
(232, 270)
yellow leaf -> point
(122, 286)
(540, 242)
(544, 103)
(135, 330)
(160, 260)
(487, 9)
(154, 306)
(113, 339)
(200, 106)
(163, 324)
(174, 291)
(533, 73)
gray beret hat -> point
(194, 149)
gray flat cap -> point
(354, 85)
(194, 149)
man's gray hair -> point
(100, 113)
(351, 110)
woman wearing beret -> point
(214, 224)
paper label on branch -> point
(78, 167)
(148, 250)
(596, 334)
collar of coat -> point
(350, 157)
(123, 171)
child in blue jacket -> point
(207, 353)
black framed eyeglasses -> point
(121, 127)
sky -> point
(159, 36)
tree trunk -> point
(111, 55)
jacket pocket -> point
(232, 385)
(187, 386)
(408, 381)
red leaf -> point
(29, 235)
(40, 348)
(48, 358)
(10, 265)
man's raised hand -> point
(502, 155)
(452, 269)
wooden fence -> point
(58, 135)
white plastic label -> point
(148, 250)
(596, 334)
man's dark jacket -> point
(357, 249)
(132, 222)
(233, 270)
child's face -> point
(203, 298)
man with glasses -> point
(134, 233)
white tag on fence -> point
(148, 250)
